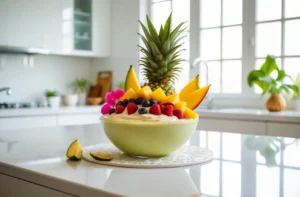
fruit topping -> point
(158, 94)
(152, 101)
(142, 110)
(180, 105)
(131, 108)
(131, 80)
(119, 109)
(178, 113)
(195, 98)
(189, 88)
(174, 98)
(138, 101)
(189, 114)
(162, 106)
(111, 111)
(168, 110)
(120, 103)
(130, 93)
(125, 101)
(146, 103)
(145, 92)
(155, 109)
(132, 100)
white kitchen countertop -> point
(250, 114)
(48, 111)
(38, 156)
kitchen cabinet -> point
(64, 27)
(283, 129)
(27, 122)
(78, 119)
(232, 126)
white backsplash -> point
(49, 72)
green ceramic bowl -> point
(148, 139)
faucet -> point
(7, 89)
(209, 98)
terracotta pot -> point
(276, 103)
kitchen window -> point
(233, 37)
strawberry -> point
(131, 108)
(168, 110)
(178, 114)
(155, 109)
(119, 109)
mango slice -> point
(195, 98)
(131, 80)
(74, 151)
(174, 98)
(129, 94)
(101, 156)
(190, 114)
(189, 88)
(158, 94)
(145, 92)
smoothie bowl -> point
(148, 138)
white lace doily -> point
(187, 155)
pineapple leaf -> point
(146, 52)
(145, 42)
(147, 34)
(176, 41)
(159, 57)
(153, 32)
(167, 28)
(153, 64)
(175, 32)
(178, 34)
(161, 31)
(165, 47)
(154, 48)
(169, 55)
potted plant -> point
(80, 87)
(264, 79)
(53, 98)
(296, 96)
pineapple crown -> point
(162, 53)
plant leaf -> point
(269, 66)
(281, 75)
(153, 32)
(167, 28)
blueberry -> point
(138, 101)
(111, 111)
(132, 100)
(146, 103)
(142, 110)
(125, 102)
(120, 103)
(152, 101)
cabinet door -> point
(78, 119)
(27, 122)
(101, 27)
(283, 129)
(23, 22)
(232, 126)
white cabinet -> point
(78, 119)
(58, 25)
(22, 22)
(232, 126)
(27, 122)
(283, 129)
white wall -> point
(49, 72)
(124, 41)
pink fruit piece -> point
(178, 114)
(119, 109)
(168, 110)
(155, 109)
(161, 107)
(131, 108)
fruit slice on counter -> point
(195, 98)
(189, 88)
(174, 98)
(145, 92)
(101, 156)
(189, 114)
(130, 93)
(158, 94)
(131, 80)
(74, 151)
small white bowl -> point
(70, 99)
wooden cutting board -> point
(104, 80)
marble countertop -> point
(49, 111)
(243, 165)
(250, 114)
